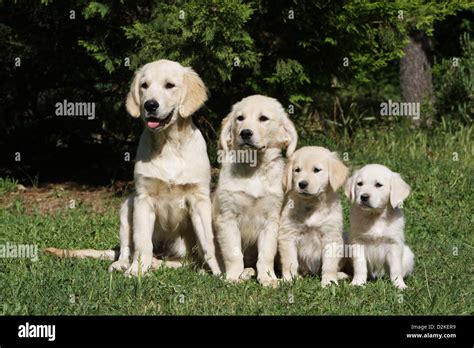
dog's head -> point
(374, 186)
(258, 122)
(313, 170)
(162, 91)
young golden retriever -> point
(310, 237)
(377, 224)
(170, 210)
(249, 194)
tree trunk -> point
(415, 73)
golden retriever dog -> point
(311, 226)
(249, 194)
(170, 210)
(377, 223)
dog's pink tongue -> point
(153, 124)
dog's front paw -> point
(248, 273)
(216, 272)
(214, 267)
(137, 268)
(399, 284)
(289, 277)
(342, 275)
(119, 265)
(357, 281)
(233, 280)
(233, 275)
(327, 279)
(268, 281)
(236, 277)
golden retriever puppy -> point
(249, 194)
(170, 211)
(310, 237)
(376, 232)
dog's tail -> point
(111, 254)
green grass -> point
(438, 166)
(8, 184)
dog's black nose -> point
(246, 133)
(303, 184)
(151, 105)
(364, 197)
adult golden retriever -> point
(170, 211)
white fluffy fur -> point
(171, 207)
(170, 212)
(377, 225)
(248, 199)
(310, 236)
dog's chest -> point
(167, 167)
(253, 214)
(171, 167)
(377, 234)
(256, 187)
(170, 202)
(317, 219)
(309, 220)
(170, 191)
(253, 183)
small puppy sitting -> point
(248, 198)
(310, 236)
(377, 223)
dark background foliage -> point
(292, 50)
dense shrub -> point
(455, 84)
(333, 61)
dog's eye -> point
(297, 170)
(359, 183)
(316, 170)
(263, 118)
(169, 85)
(378, 185)
(145, 85)
(240, 118)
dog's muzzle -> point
(251, 145)
(156, 123)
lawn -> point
(438, 165)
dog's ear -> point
(288, 176)
(349, 188)
(337, 172)
(195, 94)
(291, 136)
(225, 138)
(133, 98)
(399, 190)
